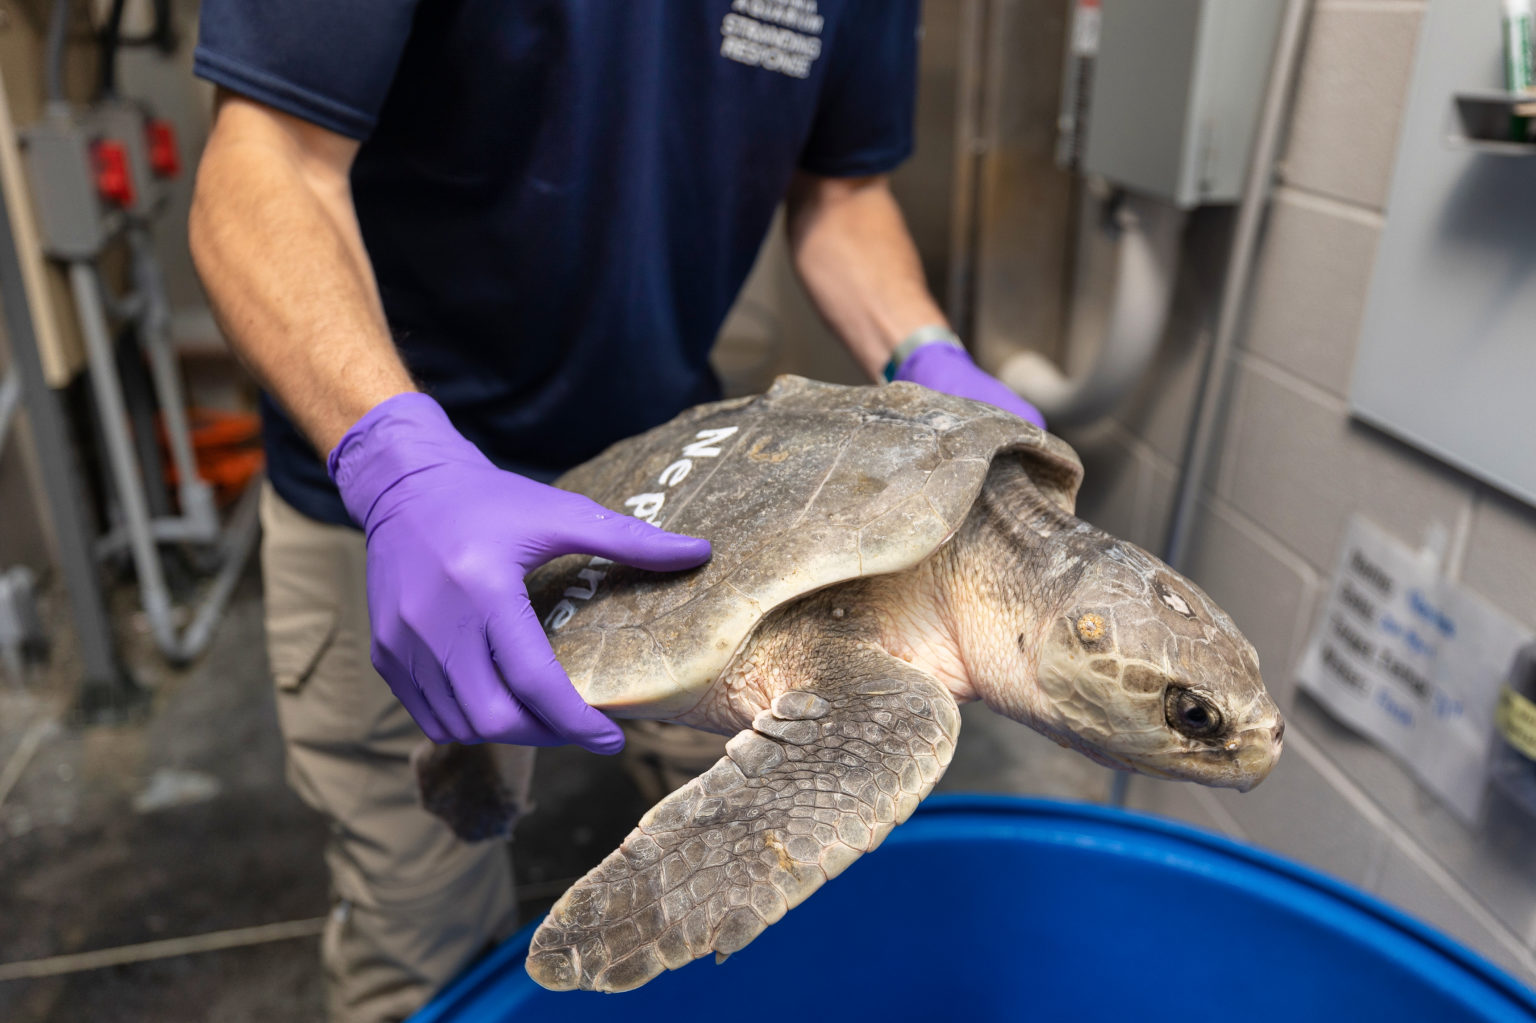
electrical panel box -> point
(61, 169)
(1175, 91)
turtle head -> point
(1139, 669)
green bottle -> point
(1519, 73)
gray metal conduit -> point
(198, 516)
(55, 44)
(1214, 377)
(138, 525)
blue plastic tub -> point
(996, 908)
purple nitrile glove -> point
(940, 366)
(450, 538)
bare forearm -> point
(856, 257)
(277, 246)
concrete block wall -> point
(1290, 470)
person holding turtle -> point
(465, 246)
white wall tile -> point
(995, 754)
(1159, 490)
(1260, 588)
(1181, 801)
(1349, 101)
(1112, 473)
(1500, 561)
(1128, 490)
(1411, 882)
(1492, 862)
(1159, 410)
(1297, 813)
(1309, 289)
(1302, 467)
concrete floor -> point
(170, 848)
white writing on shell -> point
(647, 506)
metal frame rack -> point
(96, 178)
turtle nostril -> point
(1279, 731)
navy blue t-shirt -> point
(561, 198)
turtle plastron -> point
(820, 778)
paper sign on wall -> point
(1413, 661)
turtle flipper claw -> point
(820, 778)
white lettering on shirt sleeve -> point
(775, 35)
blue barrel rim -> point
(511, 952)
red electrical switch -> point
(164, 159)
(113, 179)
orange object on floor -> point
(227, 446)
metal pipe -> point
(1234, 298)
(969, 149)
(1234, 293)
(1151, 234)
(165, 530)
(239, 540)
(121, 461)
(56, 42)
(138, 526)
(196, 496)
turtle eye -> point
(1190, 714)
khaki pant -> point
(412, 905)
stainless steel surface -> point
(1024, 205)
(925, 182)
(923, 186)
(991, 214)
(966, 152)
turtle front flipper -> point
(819, 779)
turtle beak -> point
(1260, 752)
(1254, 753)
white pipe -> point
(1151, 235)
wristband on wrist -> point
(932, 334)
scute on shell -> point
(807, 485)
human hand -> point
(450, 538)
(941, 366)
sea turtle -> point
(881, 555)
